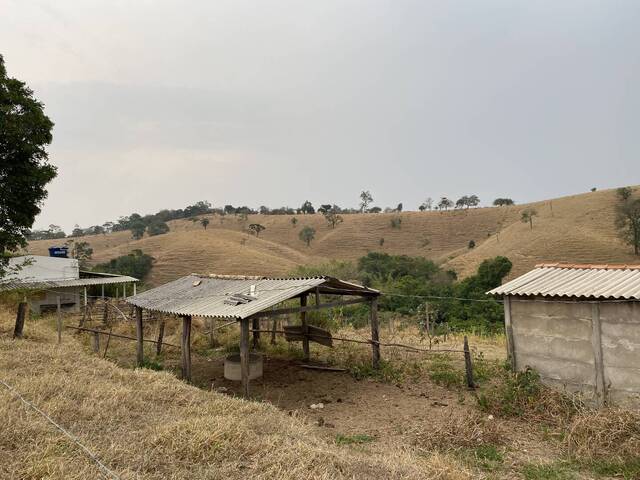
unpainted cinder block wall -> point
(557, 339)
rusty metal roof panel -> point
(205, 295)
(576, 280)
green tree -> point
(157, 227)
(136, 264)
(527, 216)
(501, 202)
(445, 203)
(307, 207)
(307, 234)
(256, 228)
(628, 220)
(624, 193)
(294, 221)
(365, 200)
(25, 131)
(81, 251)
(204, 222)
(332, 217)
(137, 228)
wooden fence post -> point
(508, 328)
(468, 367)
(305, 328)
(375, 335)
(59, 310)
(19, 328)
(244, 355)
(96, 342)
(160, 335)
(139, 338)
(186, 348)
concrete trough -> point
(232, 369)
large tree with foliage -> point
(365, 200)
(25, 131)
(307, 234)
(628, 218)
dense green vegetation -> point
(409, 283)
(136, 264)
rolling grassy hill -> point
(578, 228)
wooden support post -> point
(124, 291)
(274, 327)
(468, 366)
(160, 336)
(186, 348)
(508, 329)
(102, 291)
(596, 342)
(212, 338)
(59, 319)
(427, 322)
(375, 335)
(96, 342)
(305, 329)
(244, 355)
(134, 289)
(255, 326)
(85, 297)
(139, 338)
(22, 312)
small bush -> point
(152, 365)
(396, 222)
(353, 439)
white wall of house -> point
(37, 268)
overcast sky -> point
(159, 104)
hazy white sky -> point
(158, 104)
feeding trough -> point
(232, 369)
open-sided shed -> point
(247, 299)
(578, 325)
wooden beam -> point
(244, 355)
(375, 335)
(305, 328)
(508, 328)
(311, 308)
(139, 338)
(596, 342)
(468, 366)
(186, 348)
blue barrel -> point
(59, 252)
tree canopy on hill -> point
(628, 218)
(24, 163)
(136, 264)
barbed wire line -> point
(103, 468)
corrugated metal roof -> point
(576, 280)
(77, 282)
(205, 295)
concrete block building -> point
(578, 325)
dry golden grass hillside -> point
(578, 228)
(149, 425)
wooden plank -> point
(596, 342)
(140, 338)
(305, 329)
(294, 333)
(375, 335)
(310, 308)
(244, 355)
(186, 348)
(508, 328)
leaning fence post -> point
(468, 366)
(22, 311)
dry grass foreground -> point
(150, 425)
(578, 228)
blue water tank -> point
(59, 252)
